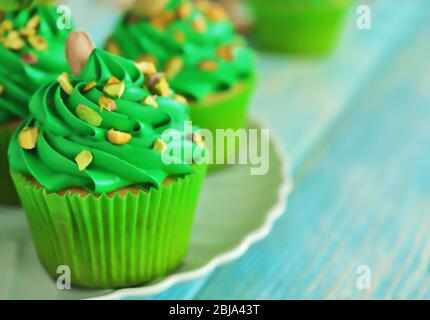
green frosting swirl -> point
(137, 38)
(63, 135)
(19, 78)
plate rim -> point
(273, 214)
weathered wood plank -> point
(363, 200)
(303, 101)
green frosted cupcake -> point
(107, 174)
(31, 54)
(196, 46)
(303, 27)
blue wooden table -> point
(356, 126)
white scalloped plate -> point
(235, 210)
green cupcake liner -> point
(8, 195)
(299, 29)
(112, 241)
(227, 111)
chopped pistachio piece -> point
(217, 13)
(161, 87)
(113, 80)
(180, 36)
(27, 138)
(151, 101)
(113, 47)
(173, 67)
(199, 24)
(208, 65)
(84, 159)
(88, 115)
(14, 41)
(90, 85)
(225, 52)
(38, 43)
(163, 19)
(147, 67)
(29, 58)
(115, 90)
(184, 10)
(147, 58)
(152, 80)
(197, 139)
(27, 32)
(65, 83)
(6, 25)
(159, 146)
(34, 22)
(181, 99)
(118, 137)
(106, 103)
(212, 11)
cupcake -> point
(305, 27)
(195, 45)
(101, 168)
(31, 54)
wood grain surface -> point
(356, 128)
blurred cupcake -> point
(105, 190)
(195, 45)
(304, 27)
(31, 54)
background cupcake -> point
(31, 53)
(105, 193)
(309, 27)
(195, 45)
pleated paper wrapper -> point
(112, 241)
